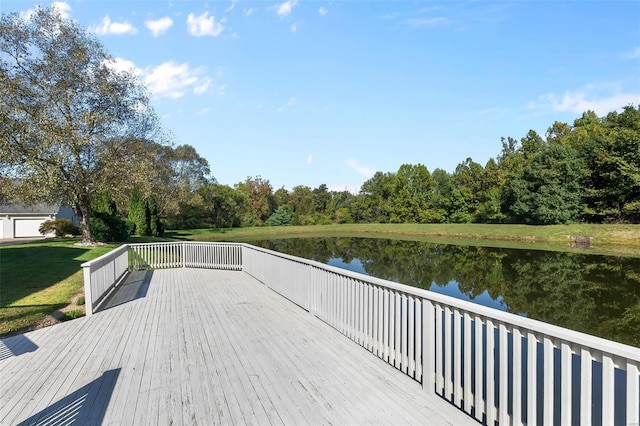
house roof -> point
(35, 209)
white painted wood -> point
(398, 330)
(633, 394)
(503, 369)
(517, 381)
(448, 348)
(489, 378)
(479, 402)
(548, 381)
(440, 390)
(385, 318)
(214, 347)
(411, 337)
(565, 383)
(429, 338)
(457, 359)
(586, 382)
(468, 389)
(608, 389)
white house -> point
(20, 221)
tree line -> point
(76, 130)
(588, 171)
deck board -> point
(195, 346)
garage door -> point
(1, 229)
(27, 227)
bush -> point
(108, 228)
(60, 227)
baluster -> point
(517, 376)
(565, 383)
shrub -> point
(108, 228)
(60, 227)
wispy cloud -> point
(295, 26)
(203, 25)
(292, 102)
(159, 26)
(428, 22)
(363, 170)
(249, 11)
(231, 7)
(107, 26)
(632, 54)
(310, 159)
(323, 11)
(601, 99)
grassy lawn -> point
(37, 278)
(41, 277)
(617, 240)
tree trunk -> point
(82, 211)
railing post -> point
(428, 347)
(88, 298)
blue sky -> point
(311, 92)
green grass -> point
(38, 278)
(617, 240)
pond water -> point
(598, 295)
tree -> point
(281, 217)
(261, 200)
(68, 120)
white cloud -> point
(159, 26)
(107, 26)
(363, 170)
(292, 102)
(249, 11)
(322, 11)
(428, 22)
(124, 65)
(284, 9)
(310, 159)
(294, 27)
(632, 54)
(600, 99)
(173, 80)
(204, 111)
(203, 25)
(62, 7)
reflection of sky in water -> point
(451, 289)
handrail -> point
(496, 366)
(101, 275)
(462, 351)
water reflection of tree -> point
(598, 295)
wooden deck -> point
(195, 346)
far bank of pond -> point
(606, 239)
(598, 295)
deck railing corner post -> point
(88, 298)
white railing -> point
(101, 275)
(496, 366)
(185, 255)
